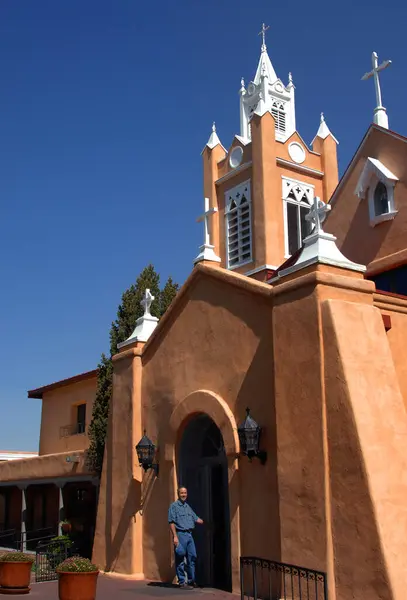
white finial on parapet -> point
(319, 247)
(290, 78)
(145, 325)
(207, 250)
(380, 115)
(317, 215)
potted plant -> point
(77, 578)
(15, 573)
(65, 526)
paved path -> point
(110, 588)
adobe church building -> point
(278, 315)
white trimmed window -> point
(278, 112)
(377, 182)
(238, 221)
(297, 198)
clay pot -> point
(77, 586)
(15, 577)
(66, 527)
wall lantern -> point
(249, 437)
(146, 452)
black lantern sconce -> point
(146, 453)
(249, 437)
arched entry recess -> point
(206, 410)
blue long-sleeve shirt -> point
(182, 515)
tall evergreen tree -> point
(130, 309)
(168, 294)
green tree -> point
(130, 309)
(168, 294)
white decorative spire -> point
(207, 250)
(324, 131)
(319, 247)
(145, 325)
(380, 115)
(290, 79)
(213, 139)
(264, 68)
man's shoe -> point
(193, 584)
(185, 586)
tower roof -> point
(213, 139)
(265, 67)
(324, 131)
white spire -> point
(380, 115)
(213, 139)
(264, 68)
(145, 325)
(324, 131)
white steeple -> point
(145, 325)
(264, 67)
(213, 139)
(323, 130)
(380, 116)
(267, 93)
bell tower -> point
(259, 190)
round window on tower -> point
(236, 157)
(296, 152)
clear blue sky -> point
(105, 106)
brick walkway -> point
(110, 588)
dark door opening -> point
(203, 471)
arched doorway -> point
(203, 470)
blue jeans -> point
(185, 550)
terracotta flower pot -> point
(77, 586)
(66, 527)
(15, 577)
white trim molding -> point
(262, 268)
(233, 172)
(283, 162)
(238, 225)
(376, 179)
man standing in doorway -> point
(182, 521)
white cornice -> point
(287, 163)
(229, 175)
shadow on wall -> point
(259, 529)
(351, 246)
(115, 541)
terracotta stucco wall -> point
(396, 309)
(220, 339)
(349, 218)
(59, 410)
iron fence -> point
(262, 579)
(48, 556)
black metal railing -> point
(7, 538)
(262, 579)
(48, 556)
(72, 429)
(25, 540)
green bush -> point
(76, 564)
(17, 557)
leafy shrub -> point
(76, 564)
(17, 557)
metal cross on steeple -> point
(263, 34)
(380, 116)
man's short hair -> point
(181, 487)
